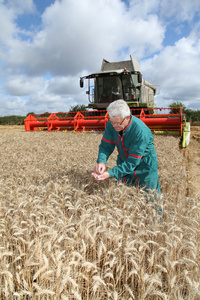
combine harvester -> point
(116, 80)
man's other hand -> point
(99, 168)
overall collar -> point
(122, 131)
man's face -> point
(118, 123)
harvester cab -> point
(119, 80)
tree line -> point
(192, 116)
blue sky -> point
(46, 45)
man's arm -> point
(106, 148)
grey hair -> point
(118, 108)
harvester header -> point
(159, 120)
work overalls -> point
(136, 160)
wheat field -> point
(65, 236)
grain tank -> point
(119, 80)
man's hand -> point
(103, 176)
(100, 168)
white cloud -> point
(9, 11)
(21, 6)
(183, 10)
(177, 70)
(180, 11)
(64, 85)
(45, 102)
(143, 8)
(12, 106)
(22, 85)
(7, 27)
(76, 35)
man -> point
(136, 160)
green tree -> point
(176, 104)
(191, 115)
(81, 107)
(12, 120)
(30, 113)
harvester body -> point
(119, 80)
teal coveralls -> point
(136, 160)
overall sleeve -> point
(107, 145)
(138, 146)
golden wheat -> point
(65, 236)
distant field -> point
(65, 236)
(11, 128)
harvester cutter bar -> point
(159, 120)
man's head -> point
(119, 113)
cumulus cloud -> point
(20, 6)
(10, 10)
(64, 85)
(179, 10)
(44, 65)
(12, 105)
(22, 85)
(7, 27)
(176, 70)
(82, 35)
